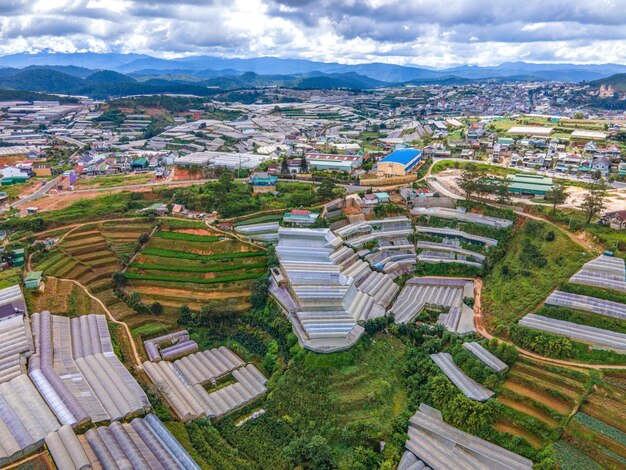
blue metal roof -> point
(403, 156)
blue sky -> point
(418, 32)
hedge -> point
(217, 280)
(202, 269)
(188, 237)
(164, 253)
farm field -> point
(92, 252)
(537, 399)
(597, 432)
(61, 297)
(110, 181)
(192, 266)
(537, 260)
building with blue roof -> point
(399, 163)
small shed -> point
(17, 257)
(33, 280)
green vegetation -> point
(231, 198)
(215, 280)
(184, 255)
(597, 292)
(10, 277)
(111, 181)
(186, 237)
(530, 269)
(443, 165)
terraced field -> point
(192, 266)
(598, 430)
(538, 398)
(91, 253)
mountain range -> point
(200, 66)
(104, 75)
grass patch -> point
(530, 269)
(187, 237)
(216, 280)
(10, 277)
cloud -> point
(414, 32)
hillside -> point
(617, 82)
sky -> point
(432, 33)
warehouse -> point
(530, 130)
(144, 443)
(398, 163)
(534, 185)
(333, 162)
(434, 444)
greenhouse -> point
(15, 346)
(469, 388)
(183, 382)
(588, 304)
(77, 372)
(604, 271)
(438, 292)
(462, 215)
(331, 288)
(458, 234)
(439, 446)
(144, 443)
(485, 356)
(25, 420)
(587, 334)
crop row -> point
(162, 252)
(216, 280)
(259, 220)
(199, 269)
(601, 428)
(188, 237)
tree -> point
(593, 202)
(258, 291)
(134, 299)
(184, 315)
(226, 181)
(578, 115)
(119, 279)
(143, 238)
(556, 196)
(470, 180)
(304, 164)
(156, 308)
(502, 191)
(271, 357)
(326, 189)
(596, 175)
(284, 166)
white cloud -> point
(419, 32)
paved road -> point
(41, 192)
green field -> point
(531, 268)
(178, 268)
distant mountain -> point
(109, 76)
(41, 79)
(214, 67)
